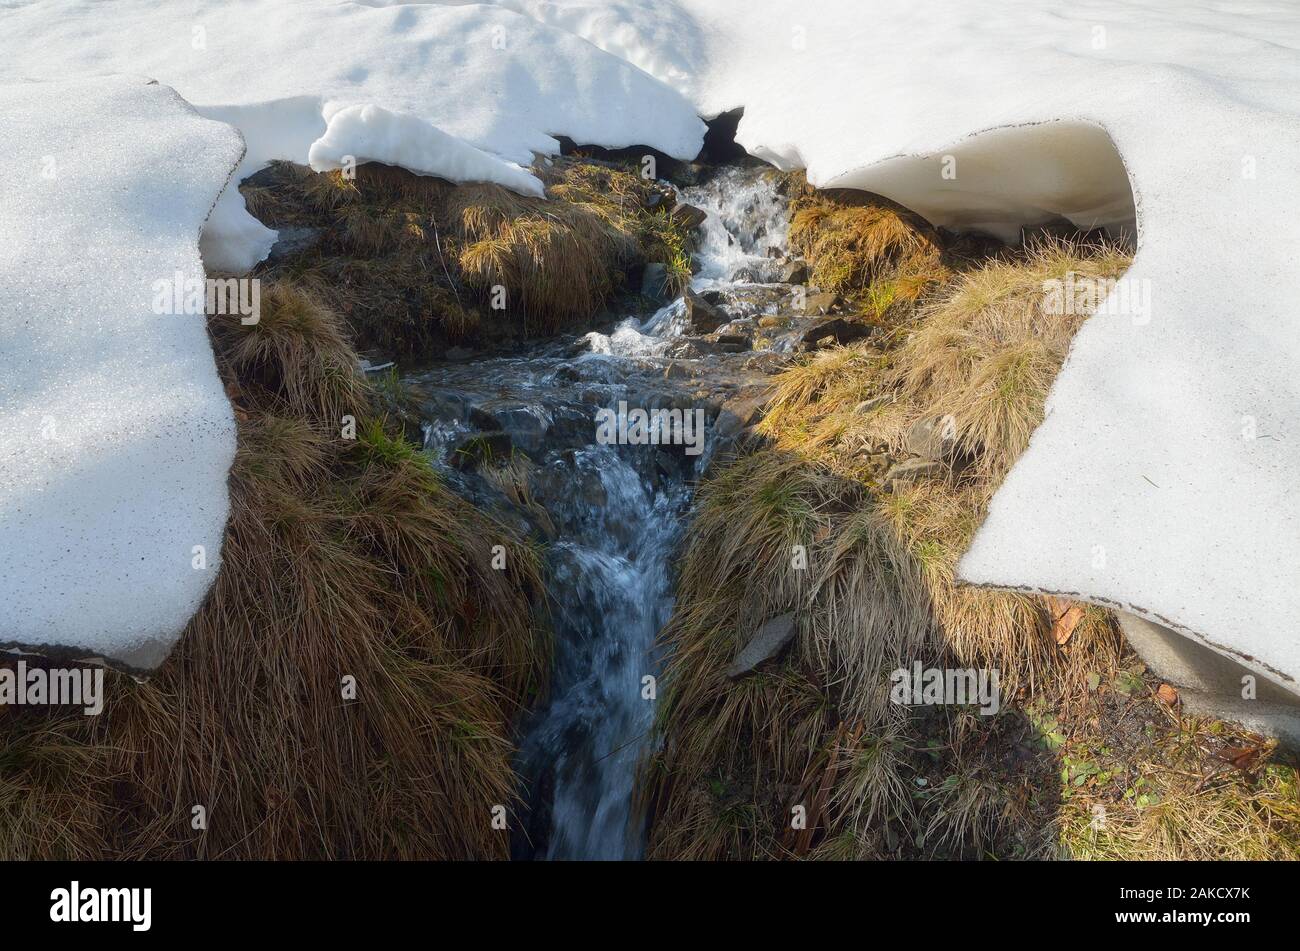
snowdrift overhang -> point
(116, 436)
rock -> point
(770, 640)
(686, 174)
(482, 420)
(740, 412)
(733, 343)
(912, 470)
(473, 451)
(795, 272)
(931, 438)
(821, 303)
(873, 404)
(746, 275)
(689, 217)
(293, 240)
(701, 316)
(843, 331)
(660, 199)
(772, 321)
(654, 281)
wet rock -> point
(701, 316)
(772, 321)
(747, 275)
(660, 199)
(912, 470)
(689, 217)
(479, 449)
(687, 174)
(795, 272)
(840, 330)
(769, 641)
(481, 419)
(654, 281)
(733, 343)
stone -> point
(733, 343)
(912, 470)
(795, 272)
(873, 404)
(843, 331)
(931, 438)
(769, 641)
(689, 217)
(820, 303)
(701, 316)
(654, 281)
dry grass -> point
(816, 728)
(874, 249)
(413, 263)
(342, 559)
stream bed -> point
(522, 436)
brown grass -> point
(413, 263)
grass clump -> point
(347, 688)
(871, 248)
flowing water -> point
(610, 515)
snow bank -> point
(115, 433)
(1162, 480)
(371, 134)
(279, 69)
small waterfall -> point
(613, 518)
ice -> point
(115, 432)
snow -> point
(281, 69)
(370, 134)
(115, 433)
(1176, 119)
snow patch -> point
(115, 433)
(372, 134)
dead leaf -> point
(1167, 695)
(1065, 618)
